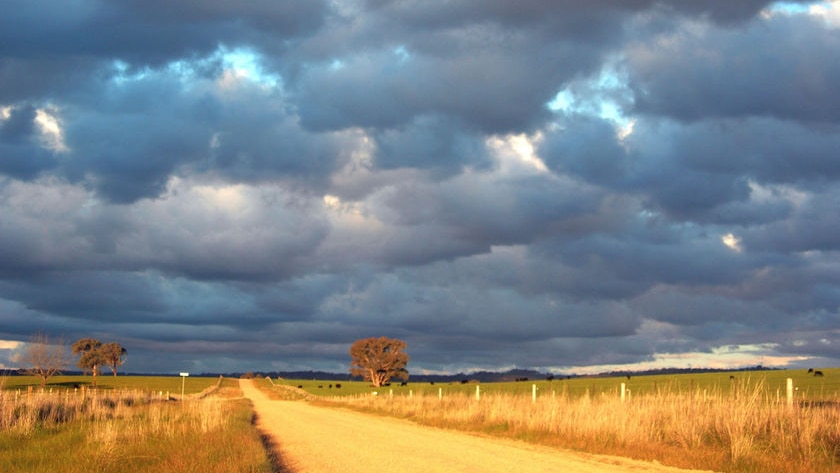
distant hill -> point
(480, 376)
(491, 376)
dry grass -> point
(23, 412)
(741, 431)
(108, 431)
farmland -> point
(124, 425)
(807, 386)
(171, 384)
(734, 422)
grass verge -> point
(114, 434)
(740, 430)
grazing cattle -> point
(330, 386)
(300, 386)
(337, 386)
(404, 383)
(320, 387)
(818, 373)
(810, 370)
(432, 383)
(731, 378)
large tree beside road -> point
(377, 360)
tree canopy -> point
(379, 359)
(93, 354)
(114, 355)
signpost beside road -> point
(183, 379)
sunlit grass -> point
(117, 431)
(808, 386)
(734, 422)
(172, 384)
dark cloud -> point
(703, 72)
(549, 184)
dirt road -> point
(322, 440)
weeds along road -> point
(313, 439)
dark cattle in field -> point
(818, 373)
(404, 383)
(337, 386)
(810, 370)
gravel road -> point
(321, 440)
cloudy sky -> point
(550, 184)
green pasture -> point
(772, 383)
(172, 384)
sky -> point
(558, 185)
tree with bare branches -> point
(379, 359)
(43, 358)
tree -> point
(114, 354)
(44, 359)
(90, 358)
(379, 359)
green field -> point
(806, 385)
(172, 384)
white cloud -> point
(723, 357)
(829, 11)
(513, 150)
(732, 242)
(52, 134)
(10, 345)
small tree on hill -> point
(44, 359)
(114, 355)
(378, 360)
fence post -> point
(790, 392)
(533, 393)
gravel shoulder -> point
(318, 439)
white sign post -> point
(183, 379)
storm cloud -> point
(566, 186)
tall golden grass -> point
(22, 412)
(745, 430)
(116, 431)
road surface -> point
(312, 439)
